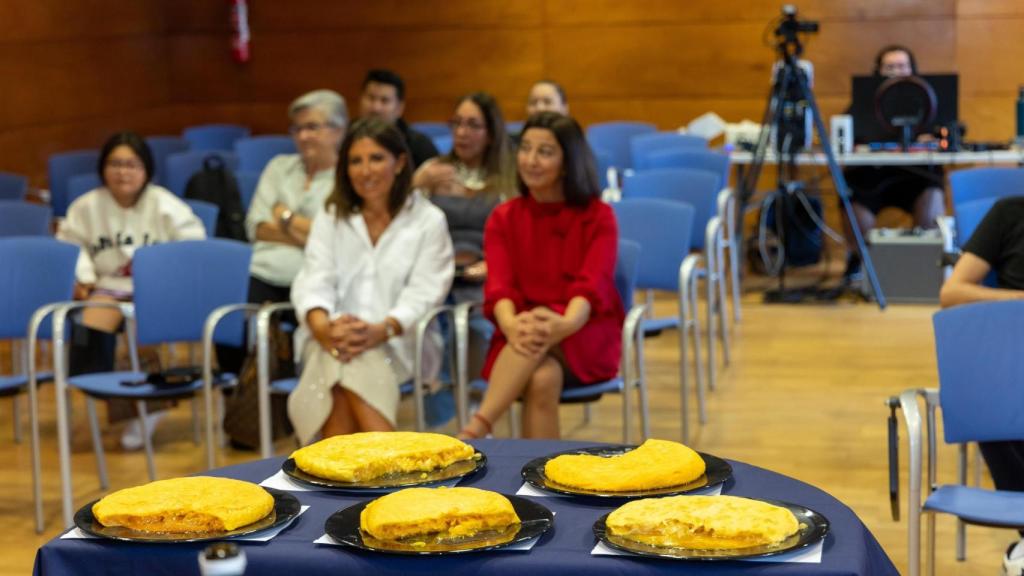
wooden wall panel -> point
(80, 69)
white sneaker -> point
(1013, 561)
(131, 438)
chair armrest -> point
(422, 325)
(263, 316)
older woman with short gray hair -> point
(290, 192)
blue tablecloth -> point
(848, 549)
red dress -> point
(545, 254)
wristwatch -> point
(286, 217)
(390, 330)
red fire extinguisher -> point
(239, 31)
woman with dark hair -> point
(550, 285)
(377, 259)
(109, 223)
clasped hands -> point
(349, 336)
(533, 332)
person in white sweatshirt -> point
(109, 223)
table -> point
(848, 549)
(1013, 156)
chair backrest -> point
(614, 138)
(207, 213)
(988, 182)
(26, 288)
(12, 186)
(162, 147)
(514, 126)
(183, 165)
(79, 185)
(603, 160)
(60, 168)
(662, 229)
(689, 158)
(247, 182)
(626, 266)
(214, 136)
(642, 146)
(178, 284)
(432, 128)
(968, 215)
(980, 371)
(255, 152)
(443, 142)
(20, 218)
(698, 188)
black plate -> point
(717, 471)
(343, 526)
(813, 527)
(394, 481)
(286, 508)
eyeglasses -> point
(125, 164)
(308, 127)
(474, 125)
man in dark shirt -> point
(384, 97)
(997, 244)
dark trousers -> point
(230, 358)
(1005, 461)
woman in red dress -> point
(550, 286)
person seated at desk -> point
(873, 188)
(550, 286)
(378, 258)
(997, 244)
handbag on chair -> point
(241, 409)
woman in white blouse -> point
(377, 259)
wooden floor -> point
(803, 396)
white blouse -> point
(408, 272)
(109, 234)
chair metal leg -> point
(97, 443)
(961, 527)
(222, 438)
(698, 364)
(912, 417)
(723, 328)
(709, 293)
(727, 210)
(641, 379)
(687, 318)
(147, 441)
(33, 415)
(60, 363)
(587, 413)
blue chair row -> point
(20, 218)
(214, 136)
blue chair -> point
(987, 182)
(443, 143)
(284, 386)
(214, 136)
(60, 168)
(642, 146)
(13, 186)
(662, 229)
(968, 215)
(183, 165)
(255, 152)
(247, 182)
(25, 290)
(603, 160)
(432, 128)
(699, 189)
(162, 147)
(631, 366)
(614, 138)
(716, 163)
(979, 394)
(207, 213)
(20, 218)
(79, 185)
(514, 127)
(177, 286)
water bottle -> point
(1020, 116)
(222, 559)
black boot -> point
(91, 350)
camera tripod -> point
(791, 86)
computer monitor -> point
(867, 128)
